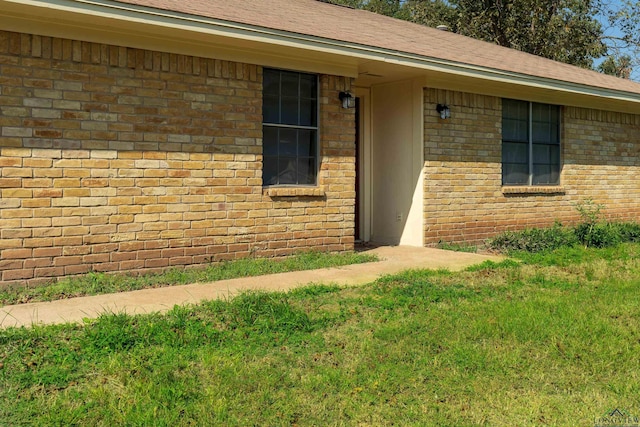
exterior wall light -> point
(444, 111)
(348, 101)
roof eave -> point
(113, 22)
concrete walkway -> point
(392, 260)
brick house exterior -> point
(120, 159)
(142, 147)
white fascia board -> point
(81, 13)
(511, 78)
(176, 20)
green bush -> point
(534, 239)
(629, 231)
(598, 235)
(594, 235)
(592, 231)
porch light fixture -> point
(444, 111)
(348, 101)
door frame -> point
(363, 163)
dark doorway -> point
(358, 219)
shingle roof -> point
(358, 27)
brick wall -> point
(464, 200)
(119, 159)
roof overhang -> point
(121, 24)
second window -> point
(530, 143)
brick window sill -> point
(293, 191)
(540, 189)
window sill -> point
(536, 189)
(293, 191)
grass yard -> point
(553, 340)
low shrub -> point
(593, 230)
(629, 231)
(534, 239)
(598, 235)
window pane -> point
(515, 142)
(541, 132)
(515, 120)
(287, 170)
(289, 111)
(541, 174)
(288, 144)
(555, 155)
(308, 86)
(270, 170)
(515, 174)
(306, 171)
(271, 82)
(541, 154)
(513, 109)
(271, 109)
(515, 130)
(546, 168)
(269, 141)
(555, 124)
(545, 113)
(546, 123)
(308, 113)
(290, 86)
(307, 143)
(540, 112)
(547, 154)
(546, 174)
(514, 152)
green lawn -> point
(552, 340)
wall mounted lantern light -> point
(443, 110)
(348, 101)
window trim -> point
(529, 186)
(316, 128)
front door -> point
(397, 161)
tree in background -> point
(619, 66)
(393, 8)
(621, 34)
(563, 30)
(569, 31)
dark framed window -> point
(530, 143)
(289, 128)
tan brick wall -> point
(118, 159)
(464, 200)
